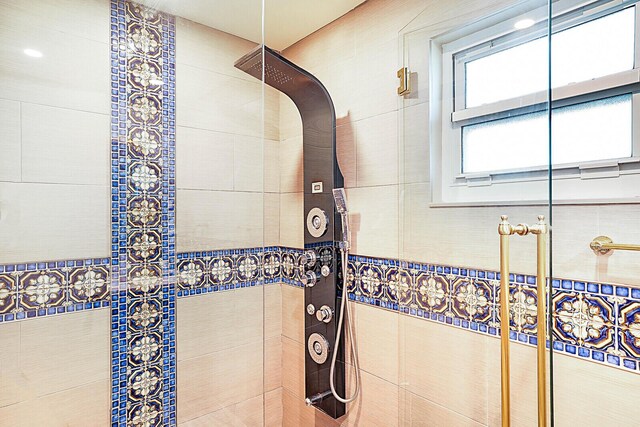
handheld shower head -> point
(340, 198)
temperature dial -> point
(308, 259)
(309, 279)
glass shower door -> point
(594, 302)
(474, 156)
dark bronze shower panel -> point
(319, 265)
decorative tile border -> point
(142, 216)
(598, 322)
(47, 288)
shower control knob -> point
(325, 270)
(324, 314)
(308, 259)
(309, 279)
(311, 309)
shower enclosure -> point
(156, 181)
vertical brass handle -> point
(505, 230)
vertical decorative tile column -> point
(142, 216)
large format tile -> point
(12, 389)
(204, 159)
(293, 313)
(292, 220)
(293, 372)
(62, 146)
(10, 141)
(52, 222)
(377, 150)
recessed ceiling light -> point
(33, 53)
(523, 23)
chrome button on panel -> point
(317, 222)
(309, 279)
(311, 309)
(308, 259)
(325, 271)
(324, 314)
(318, 348)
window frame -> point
(492, 38)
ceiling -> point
(286, 21)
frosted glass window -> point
(584, 132)
(594, 49)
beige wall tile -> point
(12, 389)
(296, 413)
(416, 411)
(208, 220)
(85, 406)
(273, 310)
(377, 339)
(414, 122)
(376, 404)
(210, 49)
(273, 408)
(218, 380)
(433, 367)
(292, 220)
(74, 69)
(293, 371)
(293, 313)
(620, 223)
(62, 146)
(377, 152)
(10, 141)
(373, 217)
(291, 165)
(248, 163)
(290, 122)
(217, 321)
(271, 219)
(74, 227)
(273, 363)
(346, 150)
(63, 352)
(204, 159)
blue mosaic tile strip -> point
(142, 216)
(40, 289)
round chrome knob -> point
(308, 259)
(311, 309)
(309, 279)
(325, 270)
(324, 314)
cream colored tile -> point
(373, 217)
(218, 380)
(73, 71)
(620, 223)
(62, 146)
(250, 412)
(415, 144)
(198, 324)
(63, 352)
(346, 150)
(85, 19)
(290, 121)
(293, 373)
(416, 411)
(376, 93)
(297, 414)
(273, 310)
(222, 417)
(377, 152)
(218, 102)
(271, 160)
(249, 157)
(580, 381)
(377, 340)
(291, 165)
(74, 226)
(208, 48)
(292, 220)
(273, 408)
(218, 219)
(271, 219)
(293, 313)
(376, 404)
(204, 159)
(433, 367)
(10, 142)
(273, 364)
(90, 407)
(200, 321)
(12, 389)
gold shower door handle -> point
(505, 230)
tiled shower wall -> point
(415, 371)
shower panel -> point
(319, 265)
